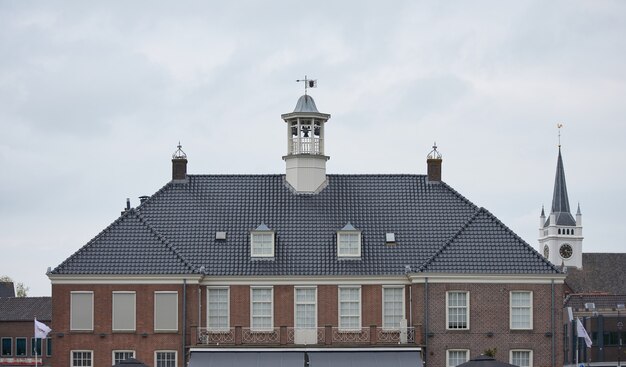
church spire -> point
(560, 201)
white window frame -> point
(208, 309)
(121, 351)
(155, 314)
(341, 252)
(530, 327)
(467, 310)
(166, 351)
(296, 303)
(72, 310)
(113, 310)
(25, 347)
(530, 356)
(33, 346)
(254, 250)
(386, 287)
(2, 355)
(81, 351)
(339, 315)
(456, 350)
(252, 326)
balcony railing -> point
(305, 336)
(306, 146)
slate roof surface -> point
(25, 308)
(7, 289)
(601, 301)
(601, 272)
(436, 229)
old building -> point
(306, 266)
(18, 347)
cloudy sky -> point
(94, 97)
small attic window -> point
(262, 242)
(349, 242)
(220, 235)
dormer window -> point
(262, 242)
(349, 242)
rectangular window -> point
(349, 244)
(306, 308)
(81, 310)
(48, 347)
(521, 310)
(350, 308)
(124, 311)
(261, 308)
(262, 244)
(393, 307)
(165, 358)
(82, 358)
(522, 358)
(218, 308)
(458, 310)
(7, 347)
(35, 346)
(166, 311)
(122, 355)
(457, 356)
(20, 347)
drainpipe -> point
(184, 320)
(425, 357)
(552, 328)
(200, 308)
(411, 305)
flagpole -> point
(35, 343)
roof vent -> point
(390, 238)
(620, 306)
(143, 198)
(220, 235)
(590, 306)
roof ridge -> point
(528, 247)
(450, 240)
(165, 241)
(458, 194)
(93, 240)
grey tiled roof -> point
(305, 104)
(25, 308)
(601, 272)
(7, 289)
(601, 301)
(436, 229)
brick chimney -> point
(179, 164)
(433, 162)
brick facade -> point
(23, 329)
(489, 320)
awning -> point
(245, 358)
(396, 358)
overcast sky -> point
(94, 97)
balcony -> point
(328, 335)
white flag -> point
(582, 333)
(41, 330)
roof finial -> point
(308, 83)
(179, 154)
(559, 126)
(434, 154)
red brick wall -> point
(102, 340)
(489, 313)
(25, 329)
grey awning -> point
(245, 359)
(399, 358)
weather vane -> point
(308, 83)
(559, 126)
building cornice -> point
(487, 278)
(124, 279)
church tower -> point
(305, 159)
(560, 235)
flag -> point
(312, 83)
(41, 330)
(582, 333)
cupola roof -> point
(306, 104)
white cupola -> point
(305, 160)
